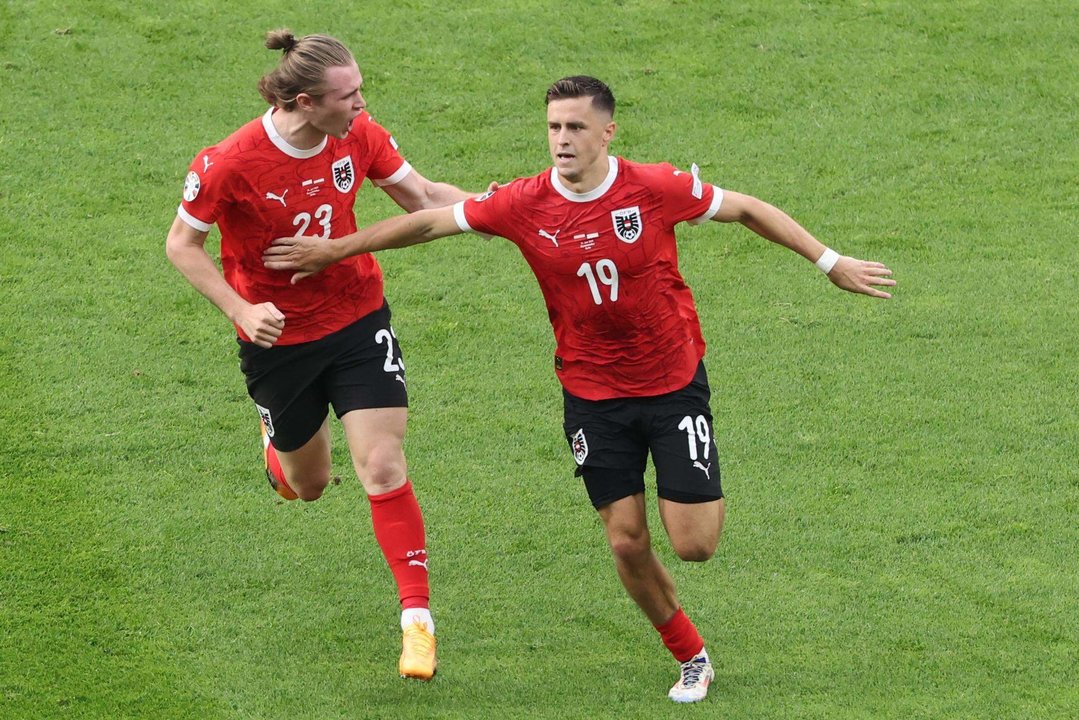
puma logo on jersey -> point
(206, 163)
(549, 236)
(705, 468)
(280, 198)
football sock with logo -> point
(681, 637)
(399, 530)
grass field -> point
(903, 496)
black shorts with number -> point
(356, 367)
(611, 440)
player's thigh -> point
(367, 370)
(688, 477)
(693, 528)
(309, 465)
(285, 383)
(376, 442)
(607, 446)
(681, 439)
(366, 386)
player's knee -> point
(309, 495)
(696, 553)
(630, 548)
(696, 549)
(382, 471)
(309, 487)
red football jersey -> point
(607, 263)
(257, 187)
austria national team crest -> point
(579, 446)
(267, 420)
(627, 223)
(343, 174)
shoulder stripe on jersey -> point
(192, 220)
(401, 174)
(717, 200)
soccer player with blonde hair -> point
(297, 169)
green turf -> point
(901, 476)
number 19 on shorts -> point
(696, 431)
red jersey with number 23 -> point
(607, 264)
(256, 187)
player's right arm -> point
(771, 223)
(308, 255)
(186, 249)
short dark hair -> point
(577, 86)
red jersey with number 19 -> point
(607, 264)
(257, 187)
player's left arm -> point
(415, 192)
(771, 223)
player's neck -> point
(590, 179)
(296, 131)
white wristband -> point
(827, 260)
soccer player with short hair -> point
(297, 169)
(598, 232)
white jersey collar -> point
(284, 146)
(593, 194)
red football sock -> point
(681, 637)
(399, 530)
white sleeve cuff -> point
(717, 200)
(459, 216)
(462, 221)
(401, 174)
(192, 220)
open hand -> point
(305, 253)
(859, 276)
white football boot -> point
(697, 675)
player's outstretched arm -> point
(308, 255)
(771, 223)
(415, 192)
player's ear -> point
(608, 132)
(304, 101)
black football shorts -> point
(356, 367)
(611, 440)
